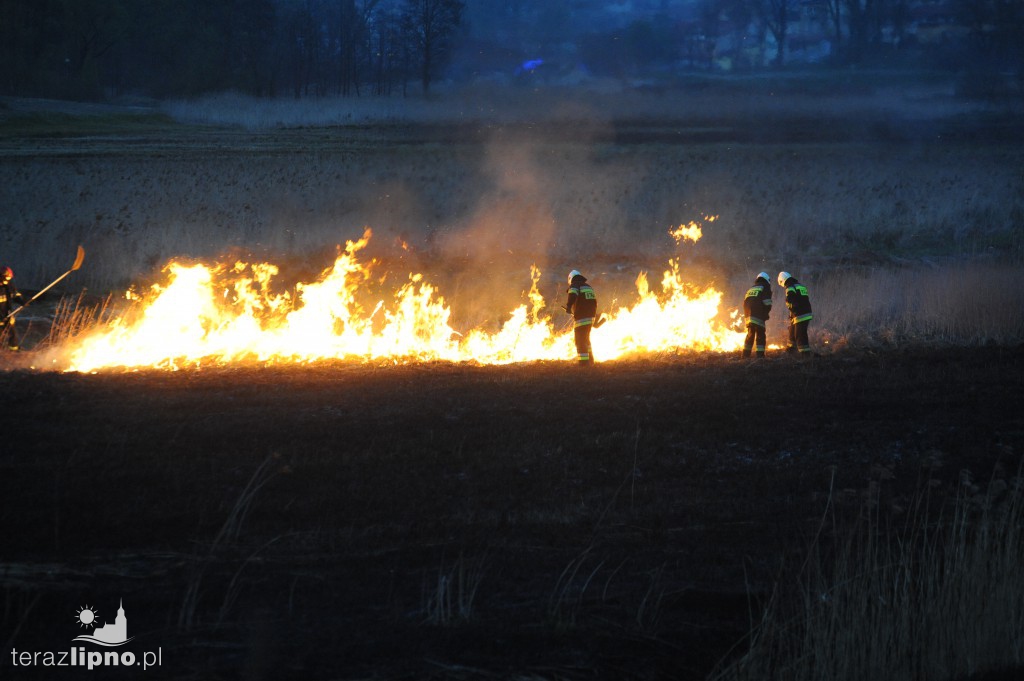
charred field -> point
(453, 521)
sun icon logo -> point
(87, 616)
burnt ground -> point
(444, 521)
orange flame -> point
(691, 231)
(219, 315)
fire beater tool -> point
(78, 263)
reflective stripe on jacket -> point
(798, 302)
(757, 304)
(582, 302)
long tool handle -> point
(79, 257)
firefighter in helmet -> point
(757, 307)
(582, 305)
(799, 304)
(8, 297)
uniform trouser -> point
(798, 337)
(7, 328)
(755, 339)
(583, 351)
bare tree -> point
(834, 12)
(859, 15)
(303, 52)
(353, 41)
(387, 50)
(430, 25)
(899, 17)
(777, 20)
(94, 28)
(778, 24)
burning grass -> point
(229, 314)
(202, 316)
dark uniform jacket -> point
(582, 303)
(9, 299)
(798, 302)
(757, 304)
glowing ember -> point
(216, 315)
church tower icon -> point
(110, 634)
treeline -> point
(93, 49)
(980, 40)
(871, 30)
(89, 49)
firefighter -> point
(799, 304)
(582, 305)
(757, 307)
(8, 297)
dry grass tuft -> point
(930, 599)
(969, 303)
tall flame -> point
(229, 314)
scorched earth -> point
(348, 520)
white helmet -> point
(783, 276)
(762, 275)
(574, 273)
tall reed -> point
(74, 316)
(954, 302)
(931, 599)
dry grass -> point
(74, 316)
(926, 599)
(450, 597)
(972, 302)
(601, 102)
(777, 202)
(489, 199)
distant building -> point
(936, 22)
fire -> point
(227, 314)
(692, 231)
(681, 316)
